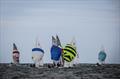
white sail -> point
(54, 41)
(76, 60)
(58, 41)
(38, 53)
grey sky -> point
(92, 22)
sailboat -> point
(69, 54)
(16, 54)
(56, 51)
(37, 54)
(102, 56)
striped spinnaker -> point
(69, 53)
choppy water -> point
(81, 71)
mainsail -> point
(58, 41)
(76, 59)
(61, 57)
(54, 41)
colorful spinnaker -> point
(56, 50)
(37, 55)
(69, 54)
(102, 56)
(16, 54)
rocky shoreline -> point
(80, 71)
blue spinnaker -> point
(55, 52)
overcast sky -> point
(94, 23)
